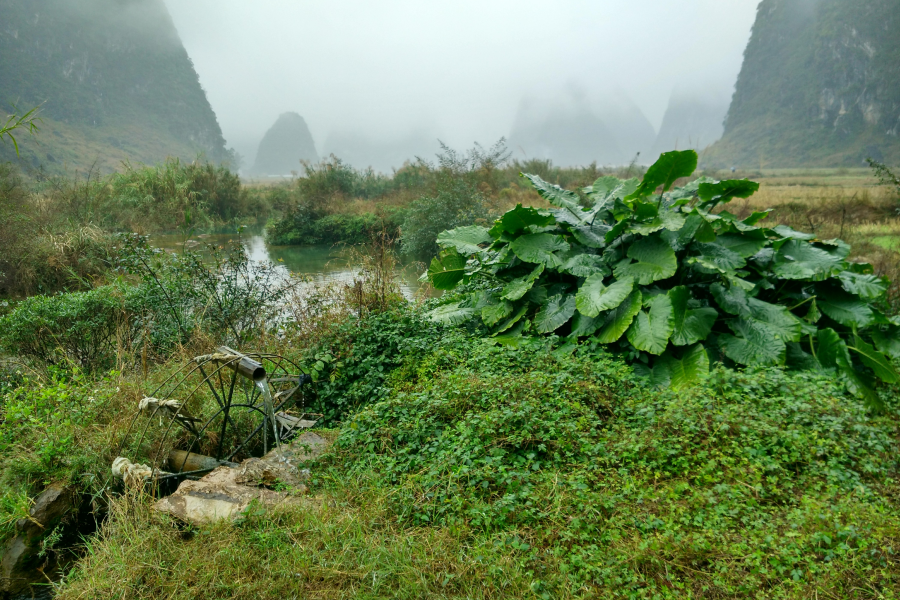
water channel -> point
(321, 264)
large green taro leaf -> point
(555, 314)
(786, 232)
(466, 240)
(610, 187)
(447, 270)
(888, 340)
(718, 258)
(680, 373)
(745, 244)
(451, 314)
(875, 360)
(721, 192)
(655, 260)
(592, 236)
(492, 313)
(778, 319)
(583, 326)
(754, 345)
(619, 319)
(507, 323)
(650, 330)
(593, 297)
(665, 171)
(519, 218)
(845, 308)
(797, 259)
(669, 219)
(555, 195)
(866, 286)
(691, 324)
(584, 265)
(774, 318)
(540, 248)
(832, 353)
(518, 287)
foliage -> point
(669, 283)
(47, 417)
(14, 122)
(223, 293)
(458, 199)
(82, 327)
(885, 175)
(368, 350)
(757, 482)
(308, 209)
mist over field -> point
(397, 75)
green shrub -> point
(368, 350)
(310, 213)
(671, 284)
(81, 327)
(456, 203)
(458, 199)
(886, 176)
(762, 483)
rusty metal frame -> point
(193, 376)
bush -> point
(310, 210)
(670, 284)
(763, 482)
(456, 203)
(458, 199)
(367, 350)
(79, 327)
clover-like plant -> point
(671, 283)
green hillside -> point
(113, 79)
(820, 86)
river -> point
(321, 263)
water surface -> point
(320, 263)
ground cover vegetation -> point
(467, 466)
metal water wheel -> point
(217, 409)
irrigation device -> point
(217, 409)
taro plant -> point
(668, 281)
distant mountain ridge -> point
(284, 145)
(819, 86)
(691, 121)
(114, 81)
(575, 130)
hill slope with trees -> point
(820, 86)
(113, 80)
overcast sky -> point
(456, 69)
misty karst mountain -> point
(692, 121)
(574, 131)
(285, 144)
(820, 85)
(113, 79)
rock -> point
(281, 465)
(217, 496)
(227, 492)
(20, 563)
